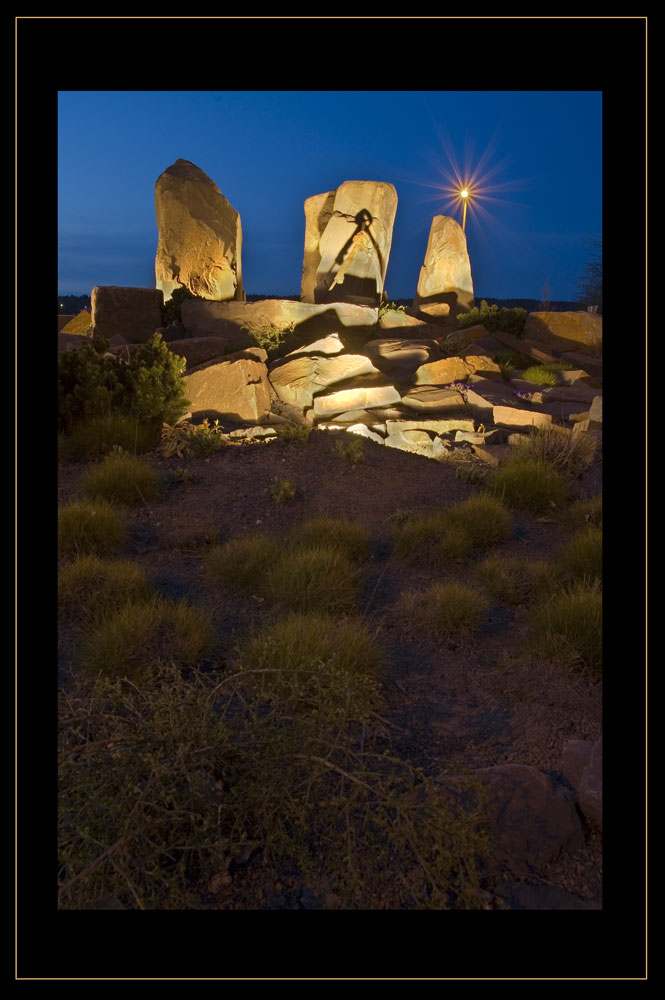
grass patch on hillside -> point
(581, 558)
(584, 513)
(568, 453)
(241, 564)
(450, 535)
(90, 527)
(90, 587)
(569, 628)
(352, 538)
(140, 636)
(122, 478)
(97, 436)
(529, 484)
(451, 610)
(512, 580)
(541, 375)
(317, 579)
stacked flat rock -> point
(348, 235)
(200, 236)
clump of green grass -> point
(339, 659)
(90, 587)
(97, 436)
(320, 578)
(241, 563)
(581, 558)
(431, 539)
(282, 490)
(293, 432)
(90, 527)
(140, 636)
(541, 375)
(122, 478)
(568, 453)
(352, 538)
(568, 629)
(351, 453)
(584, 513)
(452, 610)
(513, 359)
(511, 580)
(529, 484)
(484, 518)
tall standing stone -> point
(348, 235)
(445, 277)
(200, 236)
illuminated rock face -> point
(200, 236)
(232, 388)
(445, 277)
(567, 331)
(348, 235)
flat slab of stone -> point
(594, 366)
(434, 399)
(234, 388)
(482, 365)
(596, 411)
(565, 331)
(361, 396)
(395, 319)
(133, 312)
(442, 372)
(390, 354)
(578, 375)
(460, 425)
(578, 392)
(418, 442)
(297, 379)
(325, 345)
(511, 416)
(524, 346)
(492, 454)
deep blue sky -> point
(537, 153)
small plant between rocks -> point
(351, 453)
(282, 490)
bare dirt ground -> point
(478, 704)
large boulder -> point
(134, 313)
(567, 331)
(305, 321)
(200, 236)
(362, 393)
(397, 354)
(348, 235)
(234, 388)
(532, 820)
(445, 277)
(297, 379)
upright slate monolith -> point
(445, 277)
(348, 234)
(200, 236)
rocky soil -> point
(481, 704)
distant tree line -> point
(71, 305)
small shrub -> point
(352, 538)
(492, 318)
(511, 580)
(568, 453)
(171, 310)
(273, 339)
(313, 579)
(140, 636)
(293, 432)
(582, 557)
(541, 375)
(242, 563)
(452, 610)
(282, 490)
(90, 528)
(569, 629)
(122, 478)
(94, 437)
(187, 440)
(351, 453)
(530, 485)
(90, 587)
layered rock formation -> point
(200, 236)
(131, 313)
(348, 235)
(445, 286)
